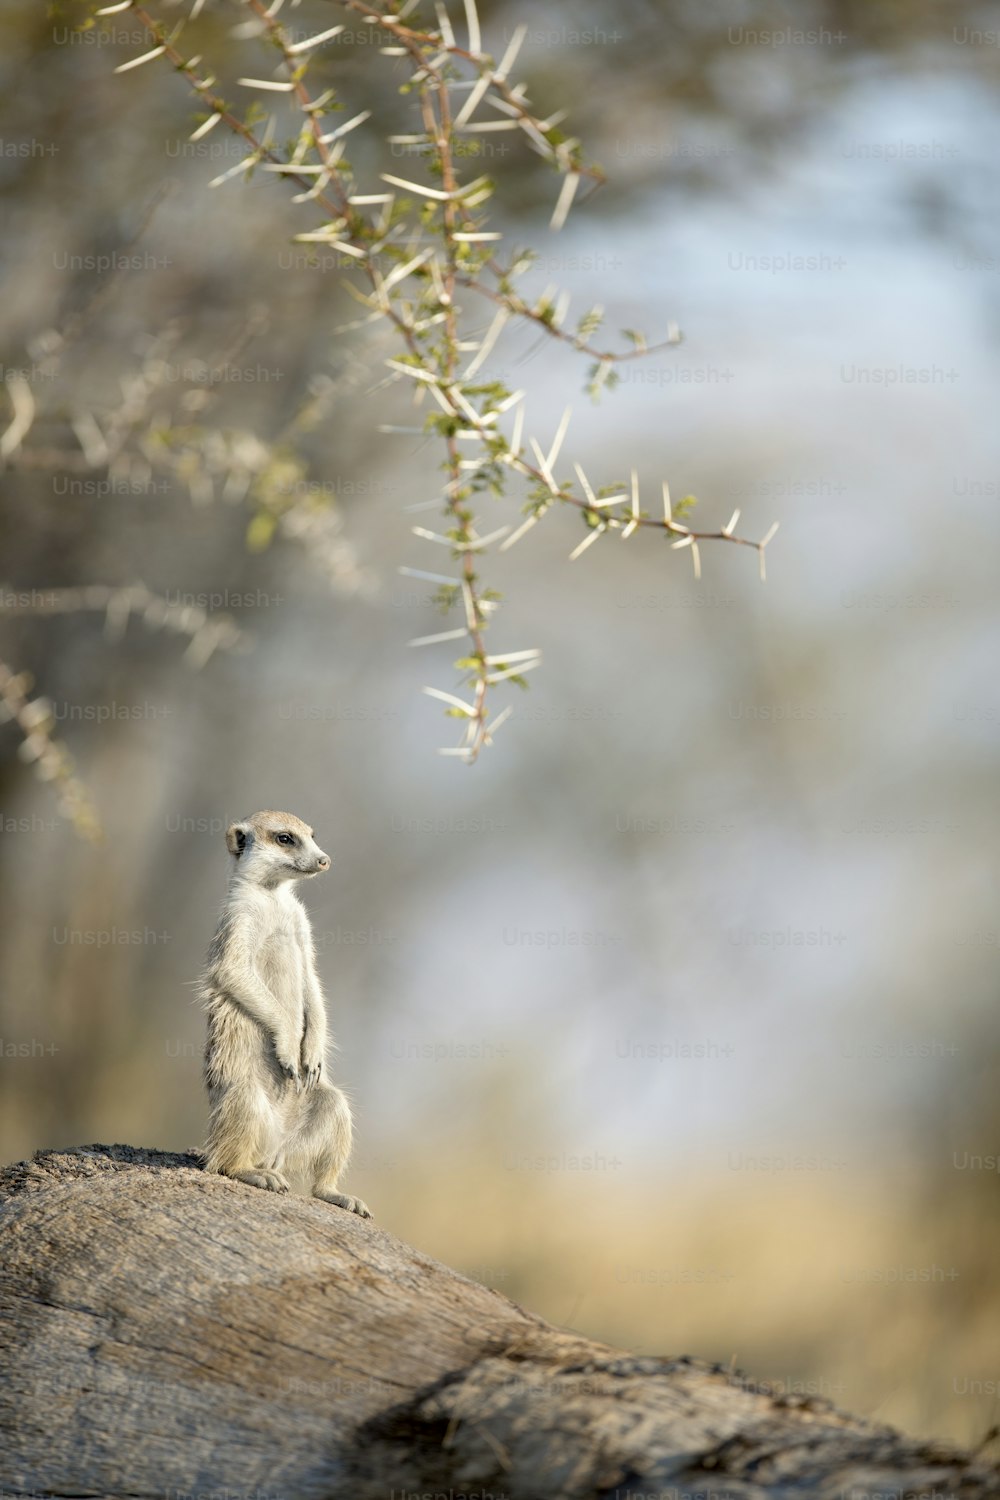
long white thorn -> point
(588, 541)
(348, 125)
(516, 536)
(447, 35)
(23, 403)
(415, 187)
(515, 437)
(442, 635)
(205, 127)
(528, 666)
(315, 41)
(500, 719)
(507, 61)
(492, 334)
(273, 85)
(544, 466)
(472, 21)
(469, 600)
(760, 551)
(565, 200)
(241, 166)
(585, 485)
(450, 697)
(484, 541)
(428, 577)
(146, 57)
(557, 441)
(468, 108)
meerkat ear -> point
(237, 837)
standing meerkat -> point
(271, 1105)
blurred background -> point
(674, 1017)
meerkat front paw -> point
(311, 1060)
(289, 1065)
(293, 1075)
(272, 1182)
(346, 1200)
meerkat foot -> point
(272, 1182)
(345, 1200)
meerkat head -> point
(272, 847)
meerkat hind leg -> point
(322, 1144)
(243, 1138)
(345, 1200)
(273, 1182)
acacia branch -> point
(415, 290)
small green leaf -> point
(260, 531)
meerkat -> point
(272, 1109)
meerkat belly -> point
(240, 1049)
(280, 965)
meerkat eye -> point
(284, 838)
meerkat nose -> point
(324, 861)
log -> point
(170, 1333)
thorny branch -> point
(52, 761)
(34, 716)
(416, 261)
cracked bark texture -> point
(169, 1333)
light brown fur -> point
(272, 1109)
